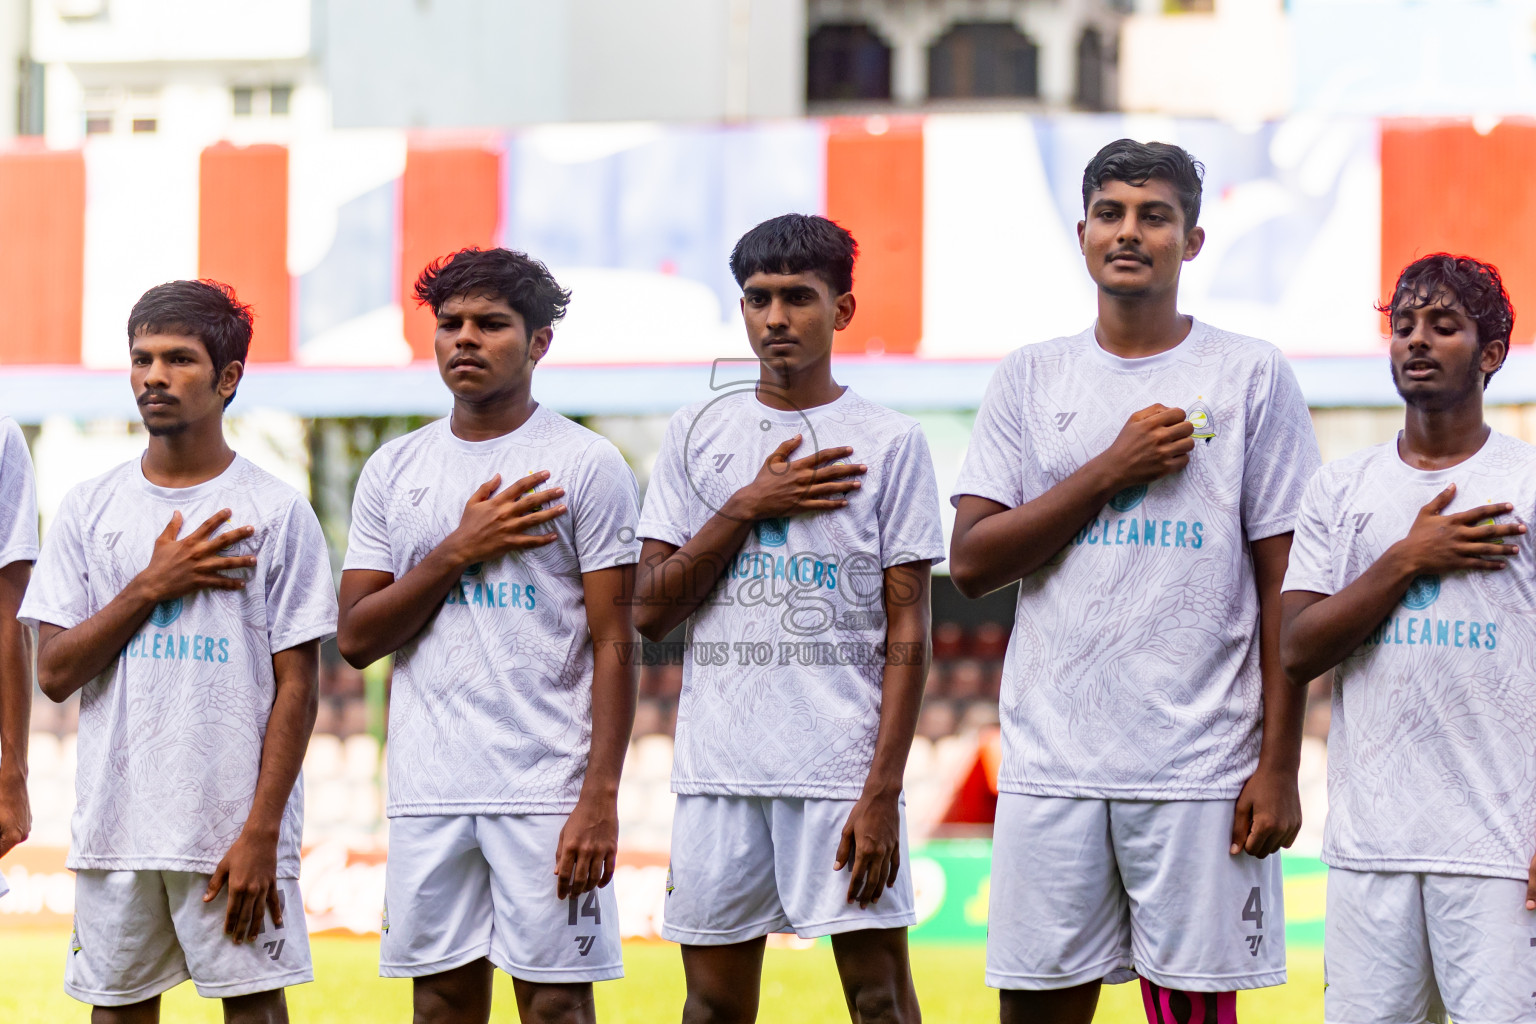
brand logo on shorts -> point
(384, 919)
(74, 939)
(165, 613)
(772, 533)
(670, 886)
(1200, 417)
(584, 943)
(1422, 592)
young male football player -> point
(792, 525)
(18, 550)
(493, 553)
(1139, 480)
(1411, 573)
(185, 594)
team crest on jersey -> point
(166, 612)
(772, 533)
(1128, 498)
(474, 570)
(1200, 417)
(1422, 592)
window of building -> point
(142, 125)
(243, 101)
(983, 59)
(282, 95)
(847, 62)
(98, 122)
(1093, 62)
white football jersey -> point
(18, 497)
(1132, 671)
(783, 664)
(491, 708)
(170, 734)
(1432, 745)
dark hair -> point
(1475, 286)
(206, 310)
(1137, 163)
(516, 278)
(797, 244)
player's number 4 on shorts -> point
(1253, 911)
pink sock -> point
(1173, 1006)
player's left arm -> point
(1268, 812)
(872, 835)
(15, 707)
(250, 866)
(589, 841)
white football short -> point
(1403, 948)
(745, 866)
(1087, 889)
(139, 933)
(461, 887)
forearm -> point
(288, 730)
(380, 623)
(613, 717)
(71, 658)
(671, 589)
(1284, 705)
(1328, 631)
(15, 696)
(908, 622)
(1006, 547)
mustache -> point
(1132, 253)
(156, 395)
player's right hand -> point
(195, 562)
(494, 524)
(15, 813)
(1467, 540)
(1153, 443)
(784, 488)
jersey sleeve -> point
(1311, 564)
(1280, 453)
(18, 497)
(664, 516)
(994, 459)
(909, 506)
(607, 510)
(368, 537)
(301, 596)
(59, 591)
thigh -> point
(1057, 915)
(1482, 942)
(437, 897)
(806, 834)
(535, 936)
(1202, 919)
(124, 948)
(720, 886)
(1376, 959)
(222, 968)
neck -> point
(803, 388)
(194, 456)
(1136, 326)
(1439, 438)
(493, 418)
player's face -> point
(174, 382)
(791, 318)
(483, 348)
(1436, 358)
(1134, 238)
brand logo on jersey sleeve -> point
(1064, 420)
(1200, 418)
(1422, 592)
(165, 613)
(772, 533)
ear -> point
(1493, 356)
(845, 305)
(1193, 243)
(229, 380)
(1082, 227)
(538, 345)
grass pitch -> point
(798, 986)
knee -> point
(558, 1004)
(882, 1004)
(719, 1007)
